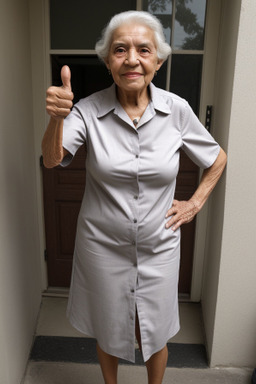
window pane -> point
(189, 24)
(88, 74)
(186, 78)
(78, 24)
(160, 79)
(162, 9)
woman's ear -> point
(159, 64)
(106, 63)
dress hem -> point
(119, 356)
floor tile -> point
(52, 319)
(61, 373)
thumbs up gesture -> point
(59, 99)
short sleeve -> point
(197, 142)
(74, 133)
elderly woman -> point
(126, 259)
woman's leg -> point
(109, 365)
(156, 366)
(137, 331)
(157, 363)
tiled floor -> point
(63, 373)
(52, 322)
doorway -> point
(181, 74)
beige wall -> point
(20, 281)
(230, 269)
(40, 117)
(229, 288)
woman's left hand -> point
(182, 212)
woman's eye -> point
(120, 50)
(144, 51)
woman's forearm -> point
(58, 106)
(208, 181)
(52, 149)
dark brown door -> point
(63, 192)
(187, 182)
(64, 187)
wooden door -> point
(64, 187)
(184, 24)
(63, 192)
(187, 182)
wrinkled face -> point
(133, 57)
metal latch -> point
(208, 118)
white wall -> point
(20, 281)
(229, 294)
(38, 37)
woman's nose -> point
(132, 57)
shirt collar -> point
(109, 101)
(159, 101)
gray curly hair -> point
(103, 45)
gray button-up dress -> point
(125, 260)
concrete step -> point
(72, 373)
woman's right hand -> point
(59, 99)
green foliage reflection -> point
(184, 16)
(188, 20)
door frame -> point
(40, 27)
(213, 12)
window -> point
(184, 24)
(75, 27)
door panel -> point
(63, 193)
(77, 24)
(187, 182)
(64, 187)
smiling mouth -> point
(132, 75)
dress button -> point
(136, 156)
(132, 290)
(135, 221)
(135, 197)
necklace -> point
(136, 120)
